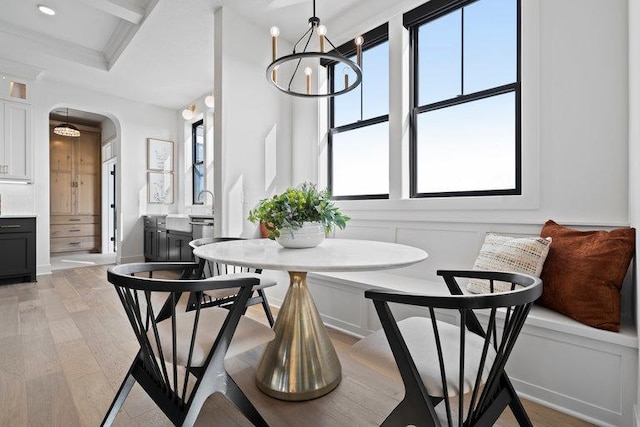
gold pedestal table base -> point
(301, 362)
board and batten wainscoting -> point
(579, 370)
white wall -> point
(252, 130)
(134, 122)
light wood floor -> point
(65, 348)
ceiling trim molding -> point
(27, 39)
(123, 35)
(123, 9)
(118, 42)
(18, 69)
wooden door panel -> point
(61, 193)
(60, 174)
(88, 195)
(88, 154)
(60, 153)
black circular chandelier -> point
(293, 74)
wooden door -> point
(61, 170)
(87, 161)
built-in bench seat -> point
(559, 362)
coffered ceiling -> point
(154, 51)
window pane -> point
(439, 59)
(375, 63)
(374, 87)
(346, 108)
(490, 44)
(361, 161)
(198, 160)
(477, 156)
(198, 182)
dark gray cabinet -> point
(18, 249)
(161, 244)
(178, 248)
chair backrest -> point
(210, 268)
(168, 337)
(496, 320)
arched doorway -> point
(82, 189)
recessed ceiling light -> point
(46, 10)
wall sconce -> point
(209, 101)
(187, 113)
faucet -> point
(203, 192)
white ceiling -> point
(154, 51)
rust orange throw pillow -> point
(583, 273)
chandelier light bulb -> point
(322, 32)
(308, 72)
(359, 40)
(209, 101)
(274, 44)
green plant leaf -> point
(295, 206)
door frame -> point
(107, 224)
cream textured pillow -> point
(514, 254)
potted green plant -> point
(299, 217)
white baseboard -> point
(43, 269)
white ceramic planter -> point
(310, 235)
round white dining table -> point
(301, 362)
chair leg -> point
(240, 400)
(409, 412)
(265, 306)
(215, 379)
(121, 396)
(516, 405)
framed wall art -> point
(160, 185)
(159, 155)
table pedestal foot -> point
(301, 362)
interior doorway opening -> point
(83, 225)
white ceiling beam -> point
(123, 9)
(27, 40)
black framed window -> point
(465, 98)
(359, 123)
(198, 166)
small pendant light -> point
(67, 129)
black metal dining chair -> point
(181, 358)
(439, 361)
(224, 297)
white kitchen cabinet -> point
(15, 141)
